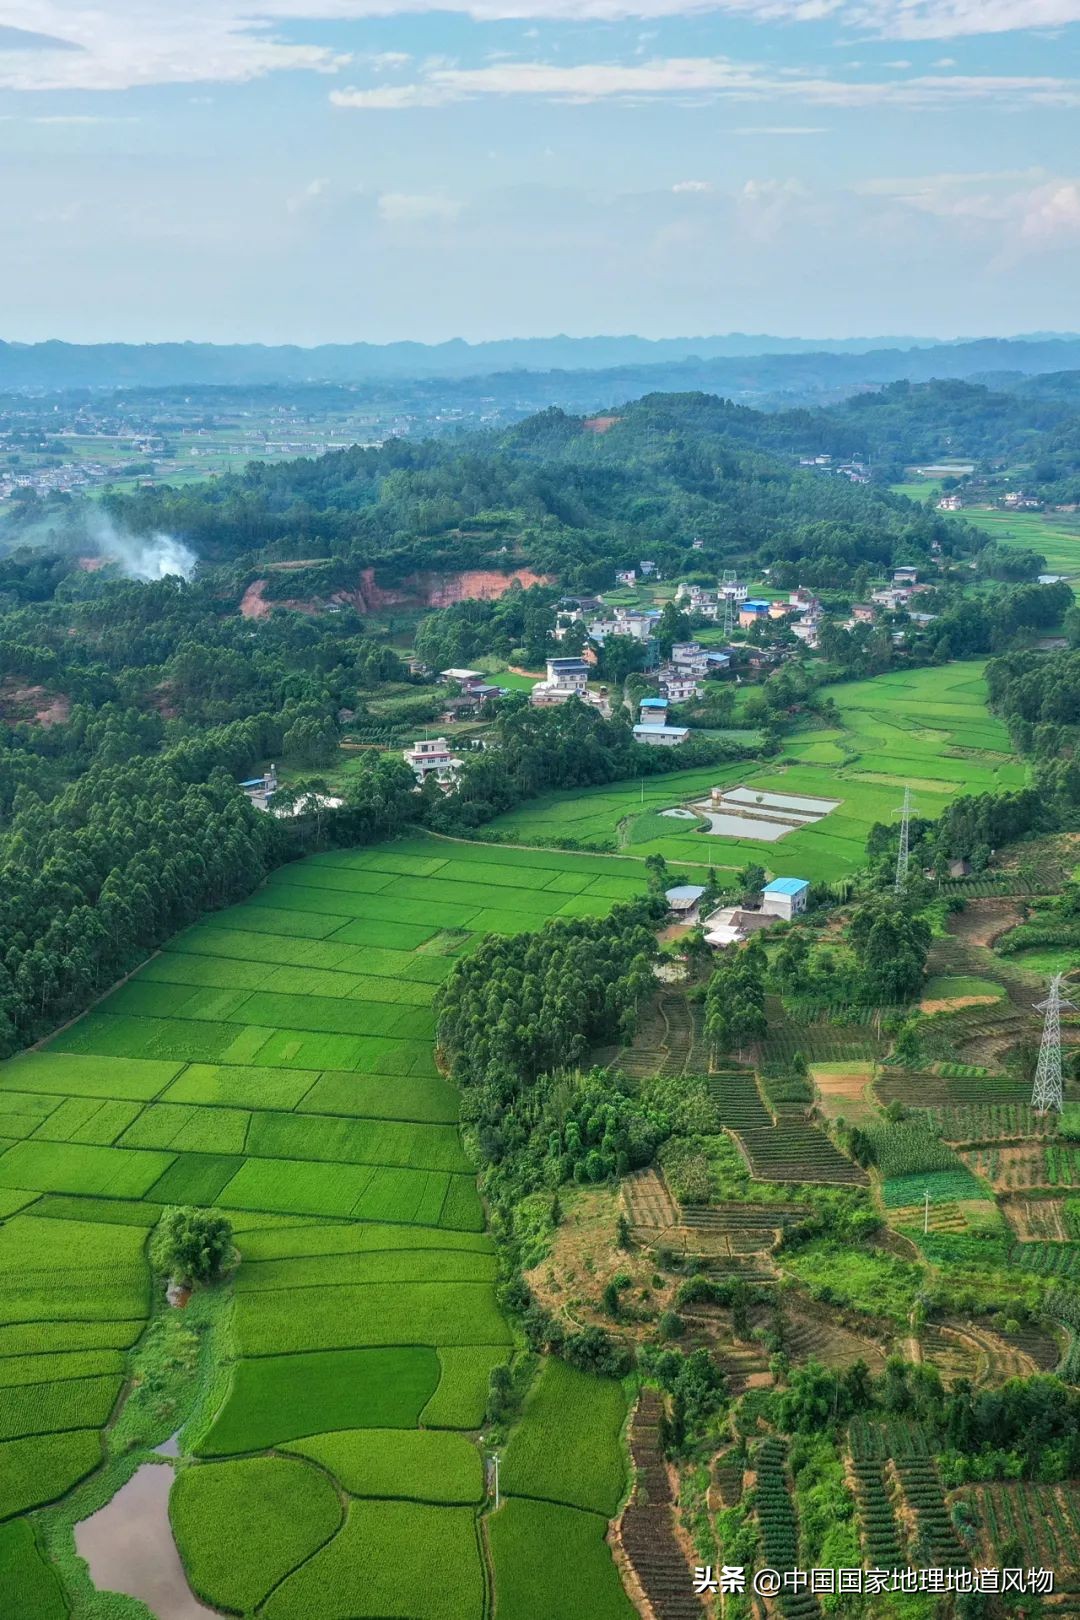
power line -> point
(903, 849)
(1048, 1091)
(727, 587)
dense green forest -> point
(550, 493)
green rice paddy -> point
(1056, 536)
(275, 1062)
(927, 728)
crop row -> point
(1047, 1259)
(1053, 1164)
(936, 1542)
(738, 1101)
(779, 1525)
(877, 1522)
(927, 1089)
(896, 1438)
(909, 1148)
(1044, 1519)
(986, 1122)
(795, 1150)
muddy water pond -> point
(129, 1547)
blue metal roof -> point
(654, 703)
(786, 886)
(755, 605)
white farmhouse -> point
(785, 897)
(431, 757)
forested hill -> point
(556, 493)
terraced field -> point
(927, 728)
(275, 1062)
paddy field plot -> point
(1055, 535)
(287, 1511)
(275, 1062)
(927, 729)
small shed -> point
(683, 899)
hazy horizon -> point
(874, 339)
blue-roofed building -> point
(653, 711)
(785, 897)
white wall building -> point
(678, 687)
(785, 897)
(431, 757)
(661, 736)
(566, 678)
(689, 658)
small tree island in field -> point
(192, 1245)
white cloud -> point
(139, 42)
(708, 78)
(691, 185)
(950, 19)
(393, 97)
(405, 208)
(67, 45)
(1052, 211)
(1018, 210)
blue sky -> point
(325, 170)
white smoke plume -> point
(143, 557)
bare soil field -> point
(842, 1089)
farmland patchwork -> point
(275, 1062)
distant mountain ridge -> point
(736, 363)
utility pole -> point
(905, 838)
(1047, 1092)
(495, 1460)
(926, 1212)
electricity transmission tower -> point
(1047, 1092)
(727, 584)
(902, 850)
